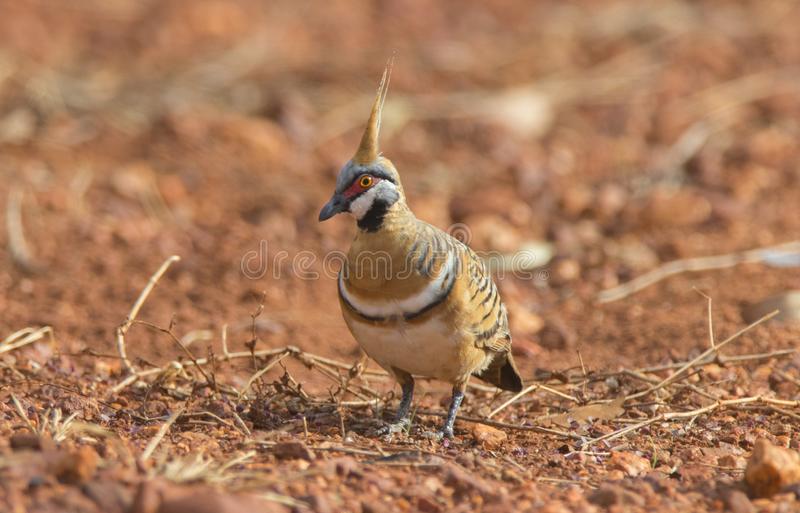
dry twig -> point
(17, 244)
(692, 414)
(122, 330)
(24, 337)
(694, 265)
(153, 443)
(691, 363)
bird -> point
(418, 301)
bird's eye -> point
(365, 181)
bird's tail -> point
(502, 373)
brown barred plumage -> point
(417, 300)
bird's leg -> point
(455, 403)
(405, 401)
(401, 421)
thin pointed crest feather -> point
(368, 149)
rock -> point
(110, 497)
(209, 501)
(20, 441)
(736, 501)
(487, 436)
(609, 495)
(427, 505)
(771, 469)
(676, 208)
(75, 466)
(319, 502)
(634, 253)
(293, 450)
(343, 466)
(523, 321)
(695, 472)
(753, 180)
(488, 232)
(147, 498)
(18, 126)
(731, 461)
(566, 270)
(523, 347)
(521, 262)
(371, 507)
(463, 482)
(788, 303)
(253, 132)
(628, 462)
(576, 199)
(524, 110)
(162, 497)
(557, 334)
(584, 414)
(611, 199)
(555, 507)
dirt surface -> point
(624, 135)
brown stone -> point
(788, 304)
(75, 466)
(609, 495)
(427, 505)
(487, 436)
(736, 501)
(293, 450)
(208, 501)
(676, 208)
(20, 441)
(628, 462)
(464, 482)
(147, 498)
(771, 468)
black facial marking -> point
(373, 219)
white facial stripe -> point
(361, 205)
(409, 305)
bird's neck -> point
(385, 218)
(392, 234)
(376, 256)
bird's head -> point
(368, 185)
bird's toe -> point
(439, 435)
(446, 433)
(391, 428)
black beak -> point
(335, 206)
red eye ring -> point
(365, 181)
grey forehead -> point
(352, 170)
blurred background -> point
(624, 134)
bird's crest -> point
(368, 149)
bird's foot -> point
(391, 428)
(442, 434)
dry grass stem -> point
(722, 360)
(711, 341)
(513, 399)
(24, 337)
(692, 414)
(153, 443)
(18, 246)
(122, 330)
(177, 341)
(694, 265)
(275, 361)
(691, 363)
